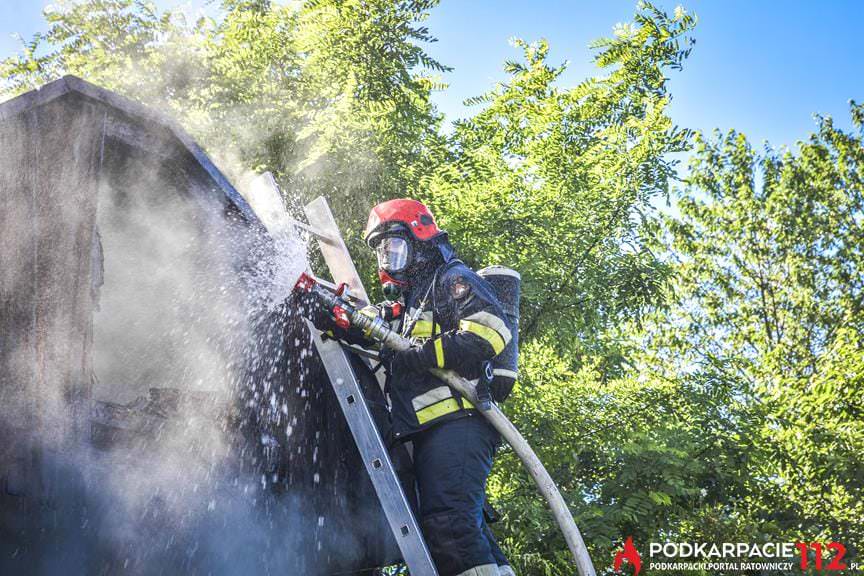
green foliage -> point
(547, 180)
(331, 96)
(550, 182)
(767, 308)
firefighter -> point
(455, 319)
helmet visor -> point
(392, 253)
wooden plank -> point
(335, 251)
(136, 111)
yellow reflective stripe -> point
(492, 321)
(485, 332)
(423, 329)
(439, 352)
(437, 410)
(430, 397)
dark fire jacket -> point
(464, 320)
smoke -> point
(170, 308)
(171, 316)
(202, 451)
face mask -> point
(391, 291)
(393, 254)
(391, 287)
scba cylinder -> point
(507, 284)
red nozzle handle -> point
(305, 283)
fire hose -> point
(375, 328)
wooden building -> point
(155, 417)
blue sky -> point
(761, 67)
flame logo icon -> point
(631, 555)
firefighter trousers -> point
(452, 461)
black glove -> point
(415, 359)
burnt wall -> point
(48, 180)
(156, 414)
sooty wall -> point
(155, 415)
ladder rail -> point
(376, 459)
(373, 451)
(397, 510)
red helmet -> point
(401, 214)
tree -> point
(551, 181)
(546, 180)
(695, 375)
(766, 310)
(332, 96)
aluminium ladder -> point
(373, 451)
